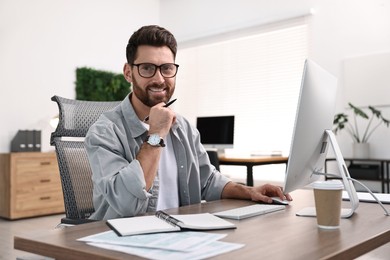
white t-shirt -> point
(168, 194)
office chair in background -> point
(75, 118)
(213, 156)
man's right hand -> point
(161, 119)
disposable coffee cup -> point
(327, 195)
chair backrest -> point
(213, 156)
(75, 118)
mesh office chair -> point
(213, 156)
(75, 118)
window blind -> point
(252, 75)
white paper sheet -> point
(178, 241)
(212, 249)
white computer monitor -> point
(312, 134)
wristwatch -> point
(155, 140)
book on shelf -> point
(163, 222)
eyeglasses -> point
(148, 70)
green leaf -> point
(358, 111)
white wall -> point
(339, 30)
(43, 41)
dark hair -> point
(152, 35)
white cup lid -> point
(328, 185)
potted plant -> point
(375, 119)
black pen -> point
(166, 105)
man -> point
(144, 165)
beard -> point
(144, 96)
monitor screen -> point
(216, 131)
(315, 112)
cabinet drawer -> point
(36, 175)
(39, 201)
(35, 165)
(32, 180)
(37, 186)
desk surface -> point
(278, 235)
(253, 159)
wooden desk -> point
(249, 162)
(278, 235)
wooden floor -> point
(8, 229)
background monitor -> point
(314, 115)
(216, 131)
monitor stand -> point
(344, 174)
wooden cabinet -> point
(30, 185)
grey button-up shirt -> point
(119, 186)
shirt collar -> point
(131, 119)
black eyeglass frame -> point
(156, 67)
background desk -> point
(383, 168)
(278, 235)
(249, 162)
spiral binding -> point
(166, 217)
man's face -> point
(151, 91)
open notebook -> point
(162, 222)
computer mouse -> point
(277, 200)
